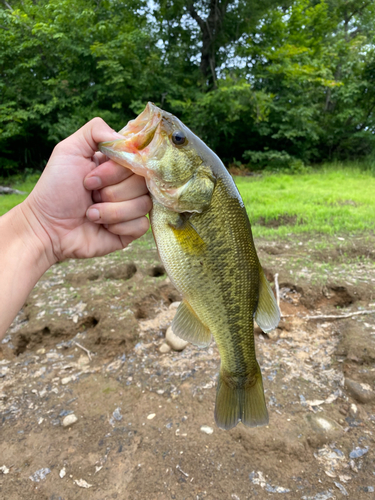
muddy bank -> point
(91, 408)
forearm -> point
(24, 258)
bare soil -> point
(87, 343)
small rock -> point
(164, 348)
(151, 416)
(66, 380)
(341, 488)
(206, 429)
(324, 429)
(69, 420)
(353, 412)
(358, 452)
(2, 395)
(175, 342)
(39, 475)
(174, 305)
(52, 355)
(4, 469)
(82, 483)
(363, 393)
(274, 334)
(62, 473)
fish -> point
(204, 239)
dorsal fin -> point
(188, 326)
(267, 314)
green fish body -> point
(204, 240)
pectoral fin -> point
(188, 326)
(267, 314)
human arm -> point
(53, 223)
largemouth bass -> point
(204, 239)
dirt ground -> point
(86, 346)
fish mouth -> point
(140, 140)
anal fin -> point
(188, 326)
(267, 314)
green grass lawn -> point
(8, 201)
(331, 200)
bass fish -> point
(204, 240)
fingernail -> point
(93, 214)
(93, 183)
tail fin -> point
(240, 399)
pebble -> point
(4, 469)
(151, 416)
(174, 305)
(82, 483)
(361, 392)
(273, 334)
(341, 488)
(66, 380)
(175, 342)
(206, 429)
(69, 420)
(358, 452)
(164, 348)
(353, 412)
(62, 473)
(39, 475)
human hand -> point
(61, 210)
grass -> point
(335, 199)
(332, 200)
(8, 201)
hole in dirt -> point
(89, 322)
(283, 220)
(337, 296)
(141, 312)
(23, 340)
(121, 272)
(156, 271)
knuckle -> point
(146, 203)
(143, 226)
(107, 194)
(97, 121)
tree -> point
(218, 24)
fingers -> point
(119, 212)
(85, 141)
(106, 174)
(135, 228)
(130, 188)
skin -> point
(83, 206)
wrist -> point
(29, 232)
(24, 258)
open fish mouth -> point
(140, 141)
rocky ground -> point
(95, 405)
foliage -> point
(276, 84)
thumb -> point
(85, 141)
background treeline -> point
(266, 83)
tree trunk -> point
(211, 28)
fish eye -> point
(178, 138)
